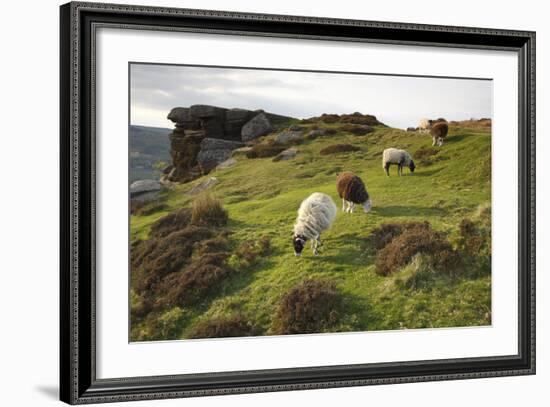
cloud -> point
(395, 100)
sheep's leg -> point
(433, 141)
(314, 245)
(343, 205)
(352, 207)
(399, 169)
(387, 169)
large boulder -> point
(286, 155)
(289, 137)
(207, 111)
(216, 151)
(230, 162)
(235, 119)
(145, 189)
(181, 116)
(256, 127)
(203, 186)
(241, 152)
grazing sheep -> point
(316, 213)
(439, 132)
(352, 191)
(399, 157)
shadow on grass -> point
(352, 254)
(455, 138)
(427, 173)
(413, 211)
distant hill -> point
(148, 145)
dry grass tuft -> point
(208, 210)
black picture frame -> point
(78, 382)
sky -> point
(398, 101)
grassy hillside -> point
(261, 198)
(148, 146)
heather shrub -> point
(223, 327)
(384, 234)
(309, 307)
(144, 208)
(248, 252)
(172, 222)
(338, 148)
(358, 130)
(411, 241)
(197, 280)
(264, 150)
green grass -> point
(262, 197)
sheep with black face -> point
(316, 214)
(352, 190)
(401, 158)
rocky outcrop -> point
(205, 136)
(203, 186)
(184, 148)
(212, 121)
(145, 190)
(215, 151)
(286, 154)
(258, 126)
(289, 136)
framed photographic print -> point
(255, 203)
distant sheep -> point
(316, 214)
(401, 158)
(352, 191)
(439, 132)
(424, 125)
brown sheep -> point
(352, 191)
(439, 132)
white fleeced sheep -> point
(424, 125)
(316, 214)
(401, 158)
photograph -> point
(275, 202)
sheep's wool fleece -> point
(351, 188)
(316, 213)
(424, 124)
(394, 156)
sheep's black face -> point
(412, 166)
(299, 244)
